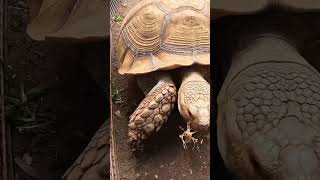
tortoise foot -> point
(273, 113)
(93, 162)
(151, 113)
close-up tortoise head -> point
(158, 36)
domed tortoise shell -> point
(163, 35)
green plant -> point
(21, 105)
(118, 18)
(117, 95)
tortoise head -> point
(194, 101)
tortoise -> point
(68, 20)
(158, 36)
(268, 106)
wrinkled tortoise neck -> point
(148, 81)
(261, 48)
(191, 75)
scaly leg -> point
(153, 111)
(93, 162)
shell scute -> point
(163, 35)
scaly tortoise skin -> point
(94, 161)
(269, 117)
(160, 35)
(268, 107)
(68, 20)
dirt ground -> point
(72, 110)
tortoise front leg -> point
(268, 119)
(153, 111)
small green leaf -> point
(28, 120)
(12, 100)
(116, 96)
(118, 18)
